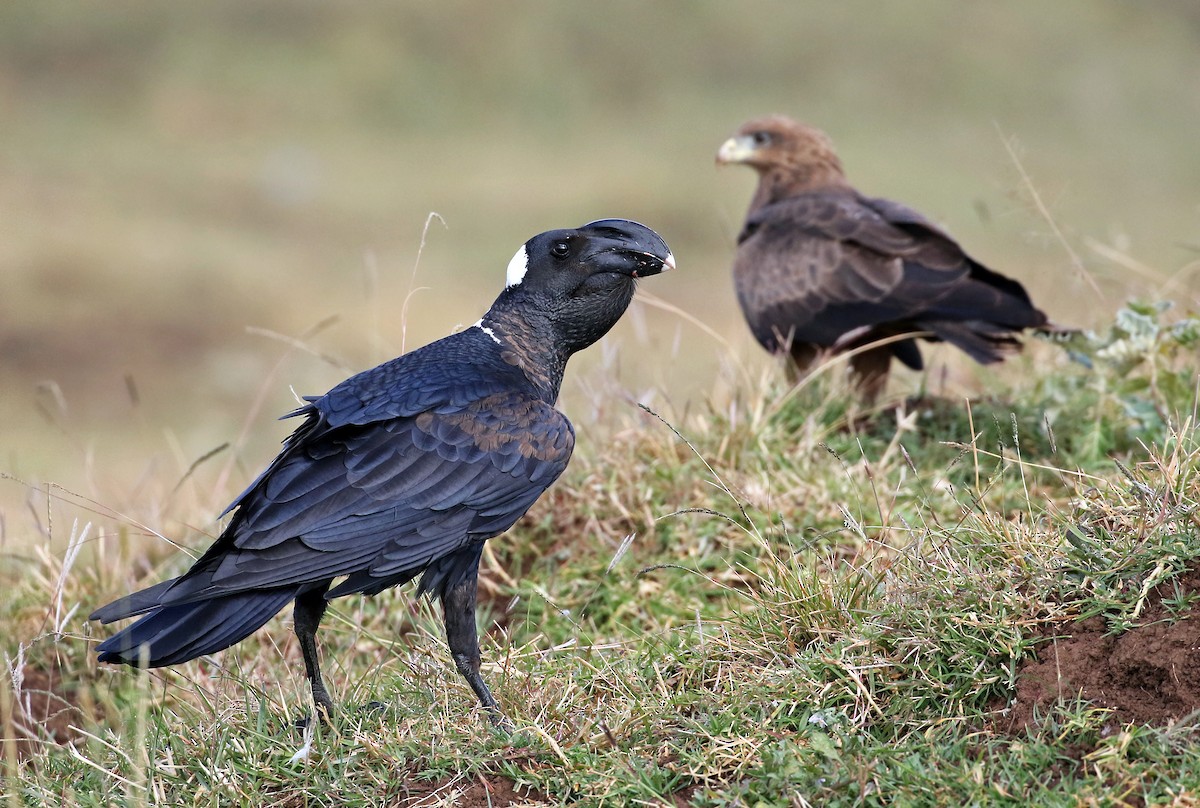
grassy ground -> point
(750, 596)
(784, 602)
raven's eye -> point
(761, 138)
(561, 249)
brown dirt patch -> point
(685, 796)
(1147, 675)
(45, 711)
(485, 791)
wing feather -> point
(384, 500)
(814, 267)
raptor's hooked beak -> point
(735, 150)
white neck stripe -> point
(487, 331)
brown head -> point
(790, 158)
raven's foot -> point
(324, 711)
(372, 707)
(500, 722)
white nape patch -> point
(517, 268)
(486, 330)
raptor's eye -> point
(761, 138)
(560, 249)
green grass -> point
(740, 606)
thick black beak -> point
(619, 245)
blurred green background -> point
(180, 181)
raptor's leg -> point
(800, 359)
(310, 607)
(869, 372)
(458, 607)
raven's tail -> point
(137, 603)
(178, 632)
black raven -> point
(405, 469)
(820, 267)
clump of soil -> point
(1147, 675)
(44, 711)
(484, 792)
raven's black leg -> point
(458, 607)
(310, 607)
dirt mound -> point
(44, 711)
(491, 791)
(1147, 675)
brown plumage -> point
(820, 267)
